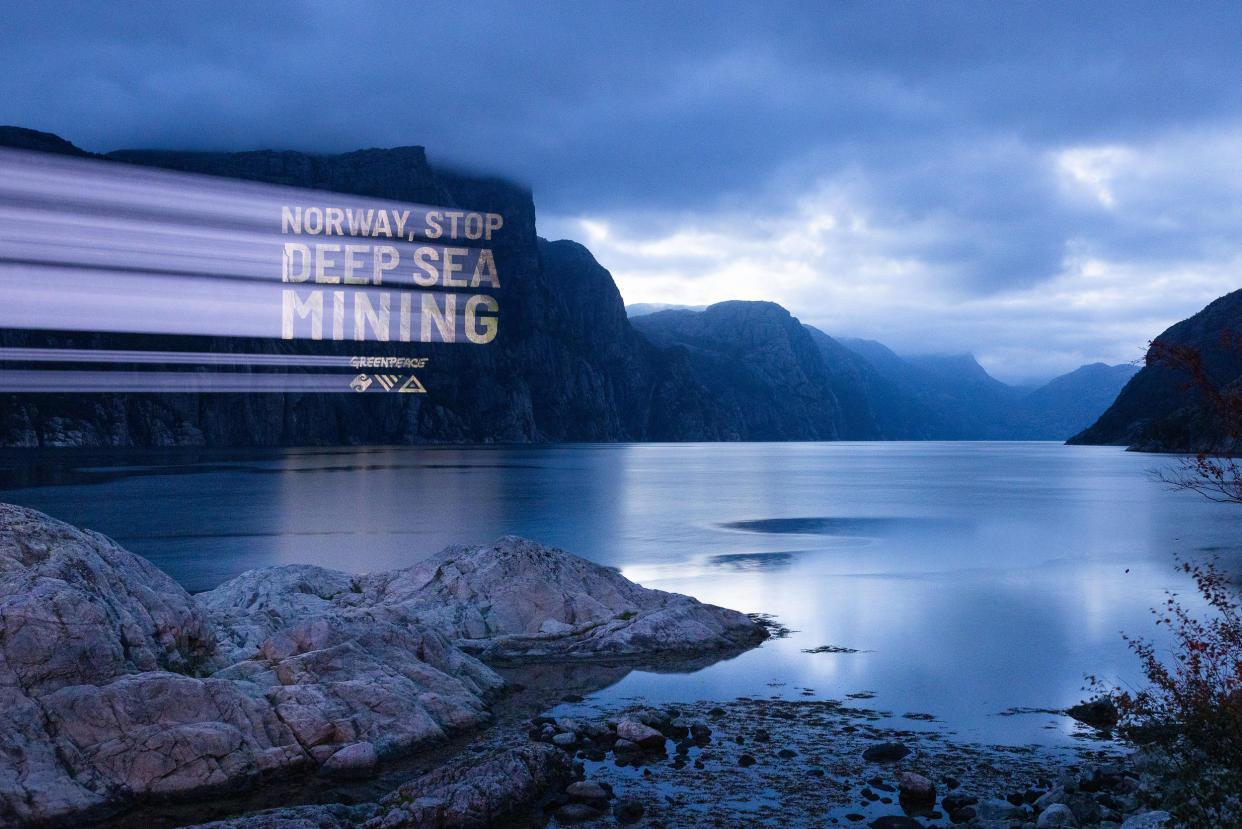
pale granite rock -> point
(76, 608)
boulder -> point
(644, 736)
(517, 599)
(1057, 815)
(75, 608)
(1149, 820)
(885, 752)
(467, 792)
(915, 789)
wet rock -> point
(566, 739)
(587, 791)
(699, 730)
(1149, 820)
(628, 810)
(329, 816)
(572, 813)
(895, 822)
(915, 789)
(885, 752)
(468, 792)
(1057, 815)
(963, 814)
(1085, 807)
(994, 809)
(643, 736)
(1055, 795)
(745, 760)
(953, 802)
(1100, 712)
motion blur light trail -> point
(98, 246)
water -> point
(970, 579)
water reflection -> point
(973, 578)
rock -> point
(565, 739)
(494, 601)
(117, 686)
(468, 792)
(994, 809)
(1100, 712)
(963, 814)
(895, 822)
(953, 802)
(587, 791)
(915, 789)
(572, 813)
(745, 760)
(77, 609)
(258, 603)
(885, 752)
(628, 810)
(700, 730)
(1149, 820)
(643, 736)
(1054, 795)
(624, 746)
(1085, 807)
(1057, 815)
(354, 760)
(330, 816)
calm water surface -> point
(972, 578)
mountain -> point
(639, 309)
(952, 397)
(568, 362)
(864, 389)
(945, 397)
(1069, 403)
(1159, 410)
(565, 365)
(763, 370)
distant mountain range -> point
(757, 351)
(1160, 410)
(568, 363)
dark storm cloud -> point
(945, 123)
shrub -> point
(1190, 715)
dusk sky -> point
(1041, 184)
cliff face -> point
(566, 365)
(1158, 410)
(762, 370)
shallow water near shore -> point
(974, 584)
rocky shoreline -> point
(388, 700)
(118, 688)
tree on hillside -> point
(1214, 475)
(1191, 712)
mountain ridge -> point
(569, 362)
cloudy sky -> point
(1041, 184)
